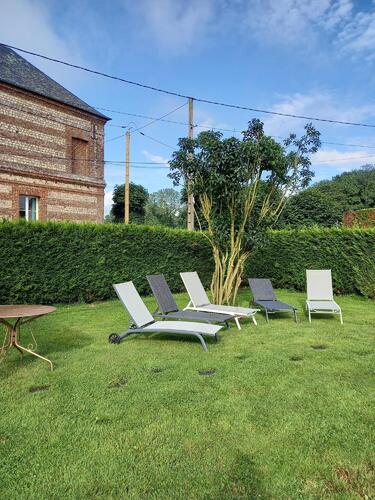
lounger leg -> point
(295, 315)
(237, 322)
(254, 320)
(309, 315)
(341, 321)
(202, 341)
(267, 319)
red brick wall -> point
(36, 158)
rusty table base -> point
(11, 339)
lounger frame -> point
(168, 308)
(213, 308)
(262, 288)
(143, 321)
(320, 290)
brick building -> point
(51, 147)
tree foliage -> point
(164, 208)
(311, 207)
(138, 196)
(237, 184)
(325, 203)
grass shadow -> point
(245, 481)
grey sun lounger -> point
(167, 307)
(264, 296)
(320, 293)
(200, 302)
(145, 323)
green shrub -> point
(65, 262)
(286, 255)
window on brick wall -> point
(80, 150)
(28, 207)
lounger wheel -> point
(114, 338)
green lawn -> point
(289, 411)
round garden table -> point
(20, 314)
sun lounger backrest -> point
(133, 303)
(262, 289)
(162, 293)
(195, 289)
(319, 284)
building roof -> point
(15, 70)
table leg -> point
(11, 339)
(24, 349)
(7, 342)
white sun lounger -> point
(145, 323)
(320, 293)
(200, 302)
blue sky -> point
(310, 57)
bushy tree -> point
(164, 208)
(352, 190)
(325, 203)
(238, 183)
(311, 207)
(138, 196)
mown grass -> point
(283, 410)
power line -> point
(88, 160)
(232, 130)
(206, 101)
(343, 159)
(157, 140)
(147, 124)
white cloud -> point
(28, 24)
(301, 21)
(176, 24)
(332, 158)
(323, 104)
(154, 158)
(358, 36)
(294, 20)
(108, 201)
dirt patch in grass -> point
(157, 370)
(207, 373)
(319, 347)
(242, 357)
(102, 420)
(356, 481)
(39, 388)
(296, 357)
(118, 383)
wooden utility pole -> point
(190, 201)
(127, 154)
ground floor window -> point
(28, 207)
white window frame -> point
(27, 206)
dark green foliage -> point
(286, 255)
(310, 208)
(325, 203)
(67, 262)
(351, 190)
(138, 196)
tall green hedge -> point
(286, 255)
(67, 262)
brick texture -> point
(51, 151)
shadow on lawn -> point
(244, 481)
(47, 345)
